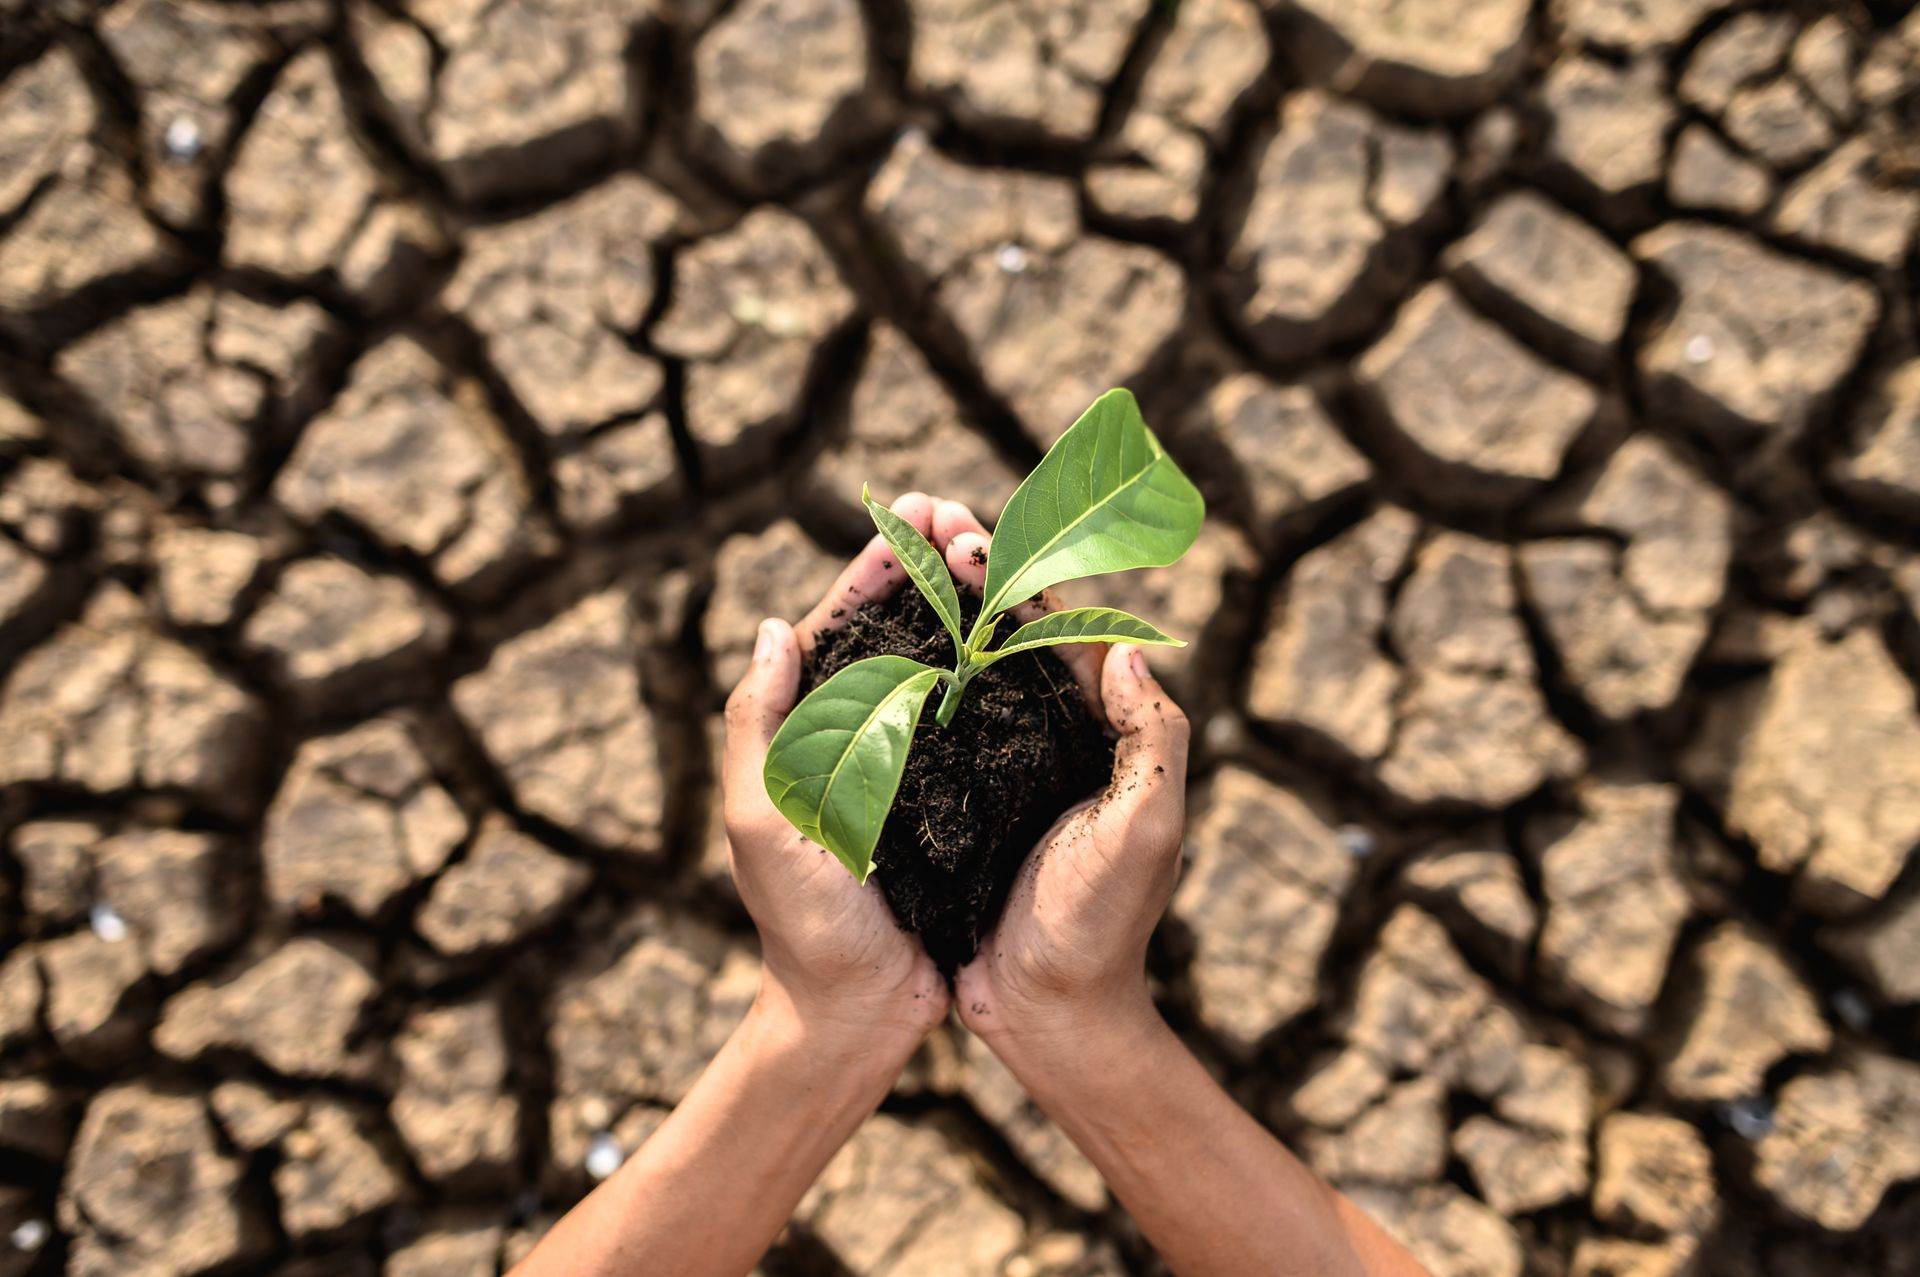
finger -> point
(874, 573)
(950, 519)
(967, 560)
(1148, 798)
(755, 710)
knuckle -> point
(745, 829)
(1179, 727)
(1172, 715)
(1170, 724)
(1171, 830)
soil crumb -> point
(978, 793)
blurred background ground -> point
(408, 408)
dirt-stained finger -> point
(874, 573)
(967, 560)
(951, 519)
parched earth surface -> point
(408, 408)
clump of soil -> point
(978, 793)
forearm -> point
(1212, 1190)
(713, 1187)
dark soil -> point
(979, 792)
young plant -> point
(1105, 498)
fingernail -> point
(763, 642)
(1138, 660)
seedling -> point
(1105, 498)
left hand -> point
(833, 954)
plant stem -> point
(949, 703)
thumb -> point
(755, 710)
(1149, 793)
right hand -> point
(1070, 949)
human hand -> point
(1070, 949)
(833, 956)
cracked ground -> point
(409, 407)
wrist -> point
(831, 1039)
(1059, 1044)
(1104, 1077)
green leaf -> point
(835, 764)
(1105, 498)
(1081, 625)
(925, 568)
